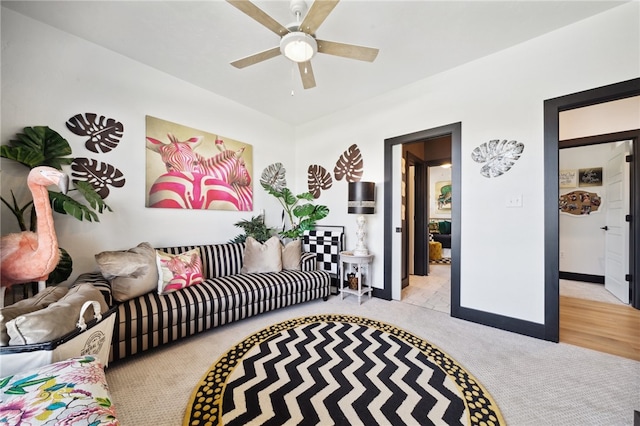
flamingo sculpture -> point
(32, 256)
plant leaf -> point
(499, 156)
(273, 176)
(92, 197)
(349, 165)
(63, 270)
(318, 178)
(64, 204)
(104, 133)
(97, 174)
(38, 146)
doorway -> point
(394, 220)
(552, 109)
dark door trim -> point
(552, 108)
(454, 130)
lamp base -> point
(361, 249)
(360, 252)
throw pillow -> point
(32, 304)
(178, 271)
(291, 254)
(57, 319)
(265, 257)
(132, 272)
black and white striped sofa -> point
(226, 295)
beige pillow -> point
(57, 319)
(132, 272)
(265, 257)
(291, 254)
(32, 304)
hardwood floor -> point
(604, 327)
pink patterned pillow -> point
(178, 271)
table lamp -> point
(362, 201)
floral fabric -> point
(70, 392)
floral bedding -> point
(70, 392)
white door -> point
(396, 215)
(617, 228)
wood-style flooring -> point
(604, 327)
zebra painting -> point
(194, 182)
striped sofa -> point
(225, 296)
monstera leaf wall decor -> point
(274, 176)
(104, 133)
(349, 165)
(499, 156)
(97, 174)
(318, 178)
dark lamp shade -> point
(362, 198)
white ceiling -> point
(196, 40)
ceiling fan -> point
(298, 42)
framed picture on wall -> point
(568, 178)
(443, 196)
(590, 177)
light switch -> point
(514, 201)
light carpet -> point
(534, 382)
(340, 370)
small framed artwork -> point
(568, 178)
(590, 177)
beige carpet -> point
(533, 382)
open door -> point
(397, 222)
(617, 228)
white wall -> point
(49, 76)
(497, 97)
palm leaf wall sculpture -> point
(349, 165)
(498, 155)
(318, 179)
(104, 133)
(97, 174)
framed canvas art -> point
(188, 168)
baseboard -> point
(572, 276)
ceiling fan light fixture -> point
(298, 46)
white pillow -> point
(265, 257)
(291, 255)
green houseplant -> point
(42, 146)
(254, 227)
(302, 217)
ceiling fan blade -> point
(350, 51)
(258, 57)
(256, 13)
(306, 73)
(316, 15)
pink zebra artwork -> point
(186, 178)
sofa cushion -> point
(57, 319)
(260, 257)
(40, 301)
(444, 227)
(132, 272)
(178, 271)
(291, 255)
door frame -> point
(552, 109)
(455, 130)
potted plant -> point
(254, 227)
(42, 146)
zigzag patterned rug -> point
(342, 370)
